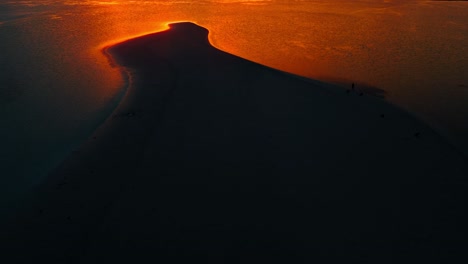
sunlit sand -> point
(213, 158)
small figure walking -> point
(352, 86)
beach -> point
(56, 87)
(210, 157)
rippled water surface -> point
(57, 86)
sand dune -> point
(214, 158)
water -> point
(56, 87)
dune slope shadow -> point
(214, 158)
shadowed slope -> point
(214, 158)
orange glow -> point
(403, 47)
(64, 86)
(406, 48)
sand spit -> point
(212, 158)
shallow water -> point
(56, 85)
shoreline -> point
(330, 82)
(207, 150)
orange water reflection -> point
(62, 87)
(414, 50)
(408, 48)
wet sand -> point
(213, 158)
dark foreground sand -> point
(212, 158)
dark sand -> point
(212, 158)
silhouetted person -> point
(352, 86)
